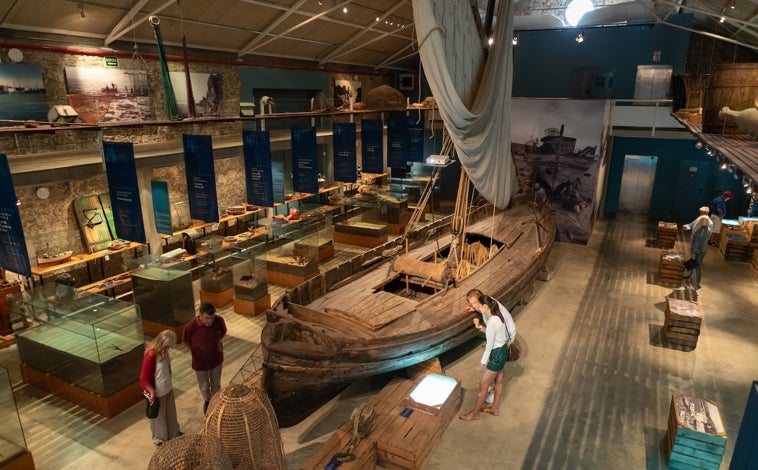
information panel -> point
(372, 146)
(201, 177)
(257, 150)
(416, 128)
(124, 191)
(161, 207)
(13, 255)
(397, 141)
(304, 160)
(344, 152)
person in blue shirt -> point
(717, 211)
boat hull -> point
(312, 352)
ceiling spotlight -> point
(490, 41)
(722, 19)
(377, 18)
(81, 10)
(732, 5)
(698, 145)
(320, 3)
(344, 9)
(580, 37)
(18, 201)
(732, 168)
(749, 190)
(709, 151)
(724, 165)
(515, 39)
(746, 181)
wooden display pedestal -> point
(252, 307)
(287, 279)
(696, 436)
(325, 251)
(108, 406)
(671, 268)
(218, 299)
(682, 323)
(665, 237)
(359, 240)
(151, 328)
(22, 462)
(734, 244)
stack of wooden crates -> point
(682, 323)
(754, 265)
(671, 268)
(734, 243)
(696, 436)
(751, 226)
(665, 236)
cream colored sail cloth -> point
(474, 107)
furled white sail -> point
(474, 103)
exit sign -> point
(111, 61)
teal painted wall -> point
(263, 78)
(670, 153)
(546, 62)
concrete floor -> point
(592, 388)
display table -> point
(84, 258)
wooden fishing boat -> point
(393, 315)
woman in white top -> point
(155, 379)
(494, 357)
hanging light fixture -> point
(749, 190)
(732, 168)
(490, 41)
(746, 181)
(710, 152)
(724, 165)
(81, 10)
(515, 39)
(344, 9)
(732, 6)
(580, 38)
(698, 145)
(18, 201)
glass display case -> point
(163, 289)
(92, 341)
(12, 440)
(295, 257)
(249, 272)
(368, 214)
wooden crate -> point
(665, 236)
(696, 436)
(749, 224)
(22, 462)
(734, 244)
(365, 452)
(671, 268)
(682, 323)
(754, 265)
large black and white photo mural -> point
(556, 148)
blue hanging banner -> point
(372, 146)
(201, 177)
(397, 141)
(416, 128)
(124, 191)
(304, 160)
(344, 152)
(161, 207)
(257, 150)
(13, 254)
(277, 178)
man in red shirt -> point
(203, 335)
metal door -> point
(690, 189)
(637, 184)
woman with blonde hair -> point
(155, 380)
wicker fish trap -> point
(191, 451)
(384, 97)
(242, 417)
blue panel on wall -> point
(277, 180)
(344, 152)
(13, 254)
(124, 191)
(258, 177)
(304, 160)
(397, 141)
(372, 146)
(201, 177)
(161, 207)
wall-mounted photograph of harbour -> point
(22, 94)
(206, 93)
(555, 146)
(102, 95)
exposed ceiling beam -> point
(61, 32)
(251, 45)
(129, 16)
(337, 52)
(393, 57)
(249, 50)
(362, 45)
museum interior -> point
(335, 177)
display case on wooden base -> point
(86, 349)
(14, 454)
(163, 290)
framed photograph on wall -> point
(407, 82)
